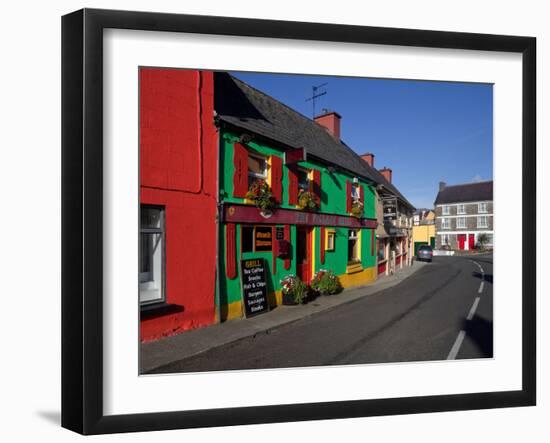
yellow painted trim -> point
(232, 311)
(355, 267)
(269, 170)
(313, 230)
(235, 310)
(361, 278)
(275, 298)
(359, 244)
(359, 236)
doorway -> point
(471, 241)
(303, 253)
(461, 240)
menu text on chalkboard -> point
(254, 286)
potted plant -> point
(308, 200)
(294, 290)
(326, 283)
(260, 193)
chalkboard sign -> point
(254, 286)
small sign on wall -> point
(263, 239)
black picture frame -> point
(82, 218)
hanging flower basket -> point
(308, 201)
(357, 209)
(260, 193)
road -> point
(443, 311)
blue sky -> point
(426, 132)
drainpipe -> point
(219, 207)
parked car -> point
(425, 252)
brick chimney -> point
(442, 186)
(369, 158)
(331, 121)
(386, 172)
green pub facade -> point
(324, 195)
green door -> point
(432, 242)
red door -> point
(461, 239)
(471, 241)
(303, 253)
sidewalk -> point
(196, 341)
(473, 252)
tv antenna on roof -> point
(316, 92)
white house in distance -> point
(462, 213)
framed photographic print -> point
(270, 221)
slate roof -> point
(245, 107)
(468, 192)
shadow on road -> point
(481, 332)
(486, 277)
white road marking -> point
(480, 290)
(460, 338)
(456, 347)
(473, 310)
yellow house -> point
(423, 232)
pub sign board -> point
(263, 239)
(389, 206)
(254, 286)
(250, 215)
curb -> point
(274, 327)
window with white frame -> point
(444, 239)
(482, 207)
(446, 210)
(353, 246)
(482, 221)
(461, 222)
(151, 255)
(461, 209)
(445, 223)
(304, 182)
(257, 168)
(381, 250)
(330, 240)
(355, 192)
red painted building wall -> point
(178, 158)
